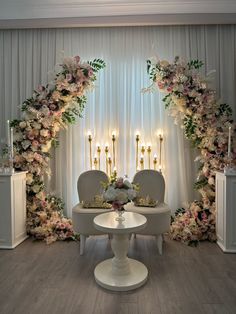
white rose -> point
(110, 194)
(46, 147)
(44, 132)
(36, 126)
(128, 184)
(29, 178)
(22, 124)
(36, 188)
(131, 194)
(164, 63)
(122, 196)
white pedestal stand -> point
(120, 273)
(12, 209)
(226, 211)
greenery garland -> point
(50, 109)
(206, 124)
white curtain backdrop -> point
(116, 103)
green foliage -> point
(195, 64)
(151, 70)
(189, 126)
(225, 109)
(167, 100)
(179, 211)
(97, 64)
(200, 183)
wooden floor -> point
(39, 278)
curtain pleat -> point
(28, 57)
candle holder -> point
(149, 149)
(106, 154)
(142, 149)
(137, 140)
(90, 150)
(99, 156)
(113, 148)
(95, 162)
(161, 140)
(141, 163)
(109, 164)
(155, 162)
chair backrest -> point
(89, 184)
(152, 183)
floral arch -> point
(51, 108)
(206, 124)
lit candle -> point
(229, 142)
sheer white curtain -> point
(117, 103)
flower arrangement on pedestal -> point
(51, 108)
(206, 122)
(119, 192)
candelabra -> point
(90, 149)
(149, 155)
(137, 140)
(106, 153)
(113, 148)
(99, 156)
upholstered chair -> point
(152, 184)
(89, 185)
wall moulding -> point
(106, 21)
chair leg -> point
(82, 243)
(159, 240)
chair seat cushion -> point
(158, 218)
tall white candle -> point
(229, 142)
(8, 133)
(11, 140)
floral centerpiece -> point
(119, 192)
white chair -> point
(89, 185)
(152, 184)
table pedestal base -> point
(106, 277)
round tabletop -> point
(107, 223)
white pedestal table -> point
(120, 273)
